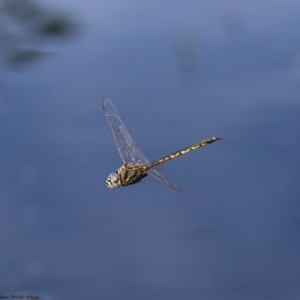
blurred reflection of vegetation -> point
(25, 26)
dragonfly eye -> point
(113, 181)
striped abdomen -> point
(183, 151)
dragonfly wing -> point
(156, 175)
(127, 149)
(142, 159)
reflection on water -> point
(186, 54)
(26, 26)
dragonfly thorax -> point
(129, 173)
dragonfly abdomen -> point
(183, 151)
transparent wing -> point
(156, 175)
(127, 149)
(153, 171)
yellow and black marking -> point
(184, 151)
(131, 173)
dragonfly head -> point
(113, 181)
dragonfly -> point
(136, 165)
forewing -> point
(127, 149)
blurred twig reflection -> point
(25, 26)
